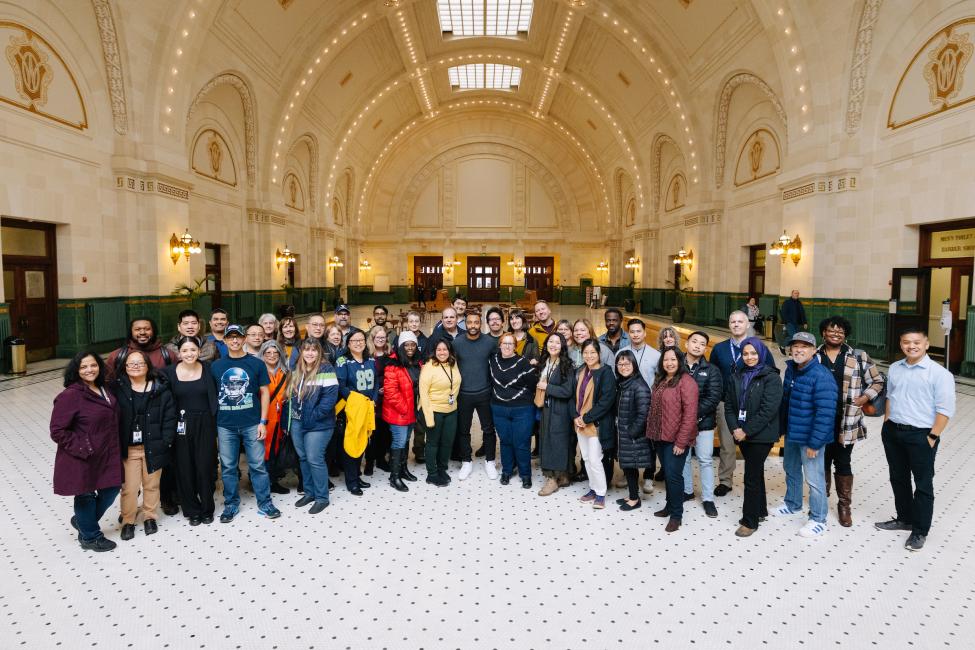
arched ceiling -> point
(611, 74)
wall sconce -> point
(684, 258)
(364, 265)
(787, 247)
(284, 256)
(448, 266)
(602, 266)
(184, 245)
(632, 263)
(519, 266)
(335, 262)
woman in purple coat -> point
(84, 424)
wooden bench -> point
(528, 301)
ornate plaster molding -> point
(658, 142)
(314, 182)
(250, 119)
(858, 68)
(721, 117)
(113, 64)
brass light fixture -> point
(632, 263)
(684, 258)
(184, 245)
(602, 266)
(284, 256)
(335, 262)
(364, 265)
(519, 266)
(786, 246)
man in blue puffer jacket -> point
(807, 416)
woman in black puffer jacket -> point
(632, 405)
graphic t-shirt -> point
(239, 384)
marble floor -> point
(480, 565)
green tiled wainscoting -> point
(4, 324)
(967, 366)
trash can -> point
(14, 356)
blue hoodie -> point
(809, 397)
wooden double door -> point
(540, 276)
(30, 284)
(484, 278)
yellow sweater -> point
(435, 389)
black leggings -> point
(632, 475)
(838, 456)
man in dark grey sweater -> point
(472, 350)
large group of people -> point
(158, 419)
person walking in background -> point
(85, 427)
(752, 399)
(793, 316)
(920, 401)
(809, 397)
(753, 313)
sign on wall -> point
(36, 78)
(938, 78)
(949, 244)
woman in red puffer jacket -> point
(672, 427)
(400, 381)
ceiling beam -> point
(560, 43)
(402, 22)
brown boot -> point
(844, 492)
(550, 487)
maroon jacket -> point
(85, 427)
(673, 413)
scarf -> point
(748, 373)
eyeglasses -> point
(136, 364)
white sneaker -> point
(491, 469)
(648, 486)
(785, 511)
(812, 529)
(465, 470)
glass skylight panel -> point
(485, 17)
(491, 76)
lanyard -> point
(735, 359)
(639, 360)
(450, 378)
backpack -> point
(877, 407)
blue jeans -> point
(310, 446)
(796, 465)
(401, 434)
(89, 509)
(673, 467)
(790, 329)
(228, 443)
(704, 451)
(514, 427)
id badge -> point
(181, 425)
(137, 435)
(741, 415)
(450, 400)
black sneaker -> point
(893, 524)
(526, 483)
(688, 497)
(721, 490)
(304, 501)
(710, 510)
(277, 488)
(318, 507)
(207, 519)
(505, 479)
(479, 453)
(915, 542)
(128, 532)
(99, 545)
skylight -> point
(485, 17)
(484, 75)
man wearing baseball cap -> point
(807, 414)
(343, 318)
(242, 405)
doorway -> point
(214, 273)
(484, 278)
(756, 270)
(428, 274)
(540, 276)
(30, 284)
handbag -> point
(540, 397)
(877, 407)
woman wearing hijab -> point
(751, 404)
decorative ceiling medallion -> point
(38, 80)
(32, 73)
(934, 80)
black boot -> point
(404, 469)
(394, 476)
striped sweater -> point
(512, 380)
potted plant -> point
(678, 311)
(194, 291)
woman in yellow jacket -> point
(439, 386)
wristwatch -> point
(933, 437)
(264, 422)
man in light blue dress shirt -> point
(920, 400)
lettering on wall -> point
(948, 244)
(37, 79)
(936, 80)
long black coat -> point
(557, 436)
(158, 426)
(632, 406)
(761, 405)
(603, 404)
